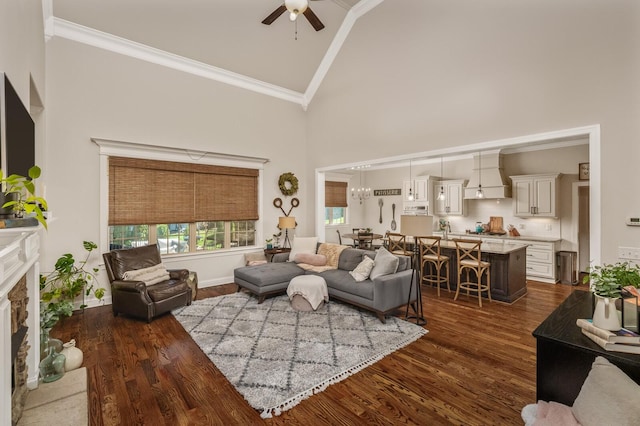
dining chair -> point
(365, 240)
(432, 262)
(339, 237)
(469, 255)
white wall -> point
(95, 93)
(462, 72)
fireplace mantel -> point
(19, 256)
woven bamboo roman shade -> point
(151, 191)
(335, 194)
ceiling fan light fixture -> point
(295, 8)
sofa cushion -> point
(135, 258)
(269, 273)
(150, 276)
(608, 396)
(350, 258)
(311, 259)
(362, 271)
(167, 289)
(385, 264)
(339, 279)
(302, 245)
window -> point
(184, 208)
(335, 201)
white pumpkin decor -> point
(74, 356)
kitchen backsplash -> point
(482, 210)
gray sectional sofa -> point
(380, 295)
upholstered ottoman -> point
(307, 292)
(267, 279)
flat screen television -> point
(17, 132)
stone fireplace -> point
(19, 319)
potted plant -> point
(20, 195)
(269, 242)
(606, 282)
(59, 289)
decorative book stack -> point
(622, 340)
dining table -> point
(363, 237)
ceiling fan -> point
(295, 8)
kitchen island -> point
(508, 268)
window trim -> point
(109, 148)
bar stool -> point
(397, 244)
(469, 259)
(430, 255)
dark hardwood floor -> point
(476, 366)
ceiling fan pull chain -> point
(295, 26)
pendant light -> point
(410, 196)
(479, 192)
(441, 196)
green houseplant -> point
(20, 194)
(69, 280)
(606, 282)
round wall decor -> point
(288, 183)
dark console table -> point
(565, 355)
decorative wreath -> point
(288, 178)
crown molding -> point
(110, 42)
(65, 29)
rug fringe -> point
(268, 413)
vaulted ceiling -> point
(226, 34)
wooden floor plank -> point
(476, 366)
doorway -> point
(584, 255)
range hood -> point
(494, 183)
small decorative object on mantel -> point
(583, 171)
(288, 184)
(20, 196)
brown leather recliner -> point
(137, 299)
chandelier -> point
(360, 193)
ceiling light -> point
(441, 196)
(479, 192)
(295, 7)
(410, 196)
(361, 193)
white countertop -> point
(502, 237)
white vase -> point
(605, 315)
(74, 356)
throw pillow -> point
(608, 396)
(252, 259)
(302, 245)
(311, 259)
(385, 263)
(363, 269)
(150, 276)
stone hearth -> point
(19, 319)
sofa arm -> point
(280, 257)
(391, 291)
(178, 274)
(130, 286)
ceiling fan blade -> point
(274, 15)
(313, 19)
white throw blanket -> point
(306, 286)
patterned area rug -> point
(276, 356)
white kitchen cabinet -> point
(541, 260)
(535, 195)
(454, 202)
(420, 188)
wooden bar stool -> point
(430, 255)
(469, 259)
(397, 244)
